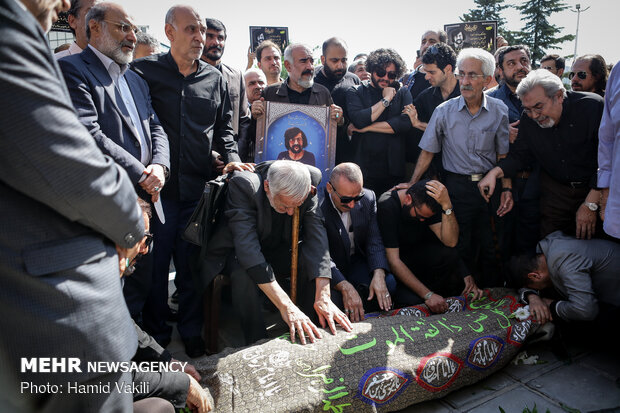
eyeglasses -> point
(125, 27)
(581, 75)
(148, 242)
(380, 72)
(348, 199)
(472, 76)
(537, 109)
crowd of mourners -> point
(472, 170)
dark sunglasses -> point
(347, 199)
(148, 242)
(581, 75)
(380, 72)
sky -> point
(369, 25)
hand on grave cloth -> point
(437, 304)
(299, 324)
(197, 397)
(471, 288)
(327, 311)
(353, 306)
(539, 309)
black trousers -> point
(481, 231)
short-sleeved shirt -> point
(469, 143)
(398, 230)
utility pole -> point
(578, 11)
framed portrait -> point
(303, 133)
(278, 35)
(481, 34)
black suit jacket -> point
(366, 234)
(101, 109)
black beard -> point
(214, 54)
(330, 74)
(296, 149)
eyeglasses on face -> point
(536, 109)
(581, 75)
(472, 76)
(380, 72)
(347, 199)
(125, 27)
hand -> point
(513, 131)
(197, 398)
(218, 162)
(437, 304)
(389, 93)
(353, 306)
(379, 289)
(189, 369)
(251, 56)
(487, 186)
(238, 166)
(258, 108)
(471, 288)
(586, 222)
(299, 323)
(439, 193)
(350, 129)
(411, 111)
(328, 313)
(539, 309)
(126, 255)
(603, 205)
(402, 185)
(337, 114)
(506, 203)
(154, 181)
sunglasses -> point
(125, 28)
(581, 75)
(380, 72)
(347, 199)
(148, 242)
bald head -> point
(186, 33)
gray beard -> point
(307, 84)
(113, 50)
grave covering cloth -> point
(389, 361)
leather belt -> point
(472, 177)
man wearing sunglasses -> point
(553, 63)
(589, 74)
(419, 231)
(355, 246)
(559, 130)
(379, 125)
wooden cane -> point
(294, 255)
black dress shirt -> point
(194, 111)
(567, 152)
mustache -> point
(467, 87)
(126, 43)
(218, 48)
(307, 72)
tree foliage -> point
(538, 33)
(490, 10)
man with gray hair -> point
(251, 244)
(299, 87)
(559, 130)
(77, 23)
(146, 45)
(471, 131)
(355, 246)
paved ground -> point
(568, 378)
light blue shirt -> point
(469, 143)
(609, 153)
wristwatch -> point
(592, 206)
(448, 211)
(385, 102)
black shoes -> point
(194, 346)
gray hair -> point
(147, 39)
(258, 72)
(288, 52)
(290, 179)
(96, 13)
(350, 171)
(550, 83)
(484, 57)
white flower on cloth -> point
(522, 313)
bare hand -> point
(238, 166)
(411, 111)
(218, 162)
(439, 193)
(402, 185)
(299, 323)
(197, 398)
(353, 306)
(189, 369)
(603, 206)
(251, 56)
(539, 309)
(513, 131)
(154, 181)
(126, 255)
(258, 108)
(506, 203)
(471, 288)
(389, 93)
(337, 114)
(586, 222)
(437, 304)
(328, 313)
(379, 289)
(487, 186)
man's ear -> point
(534, 276)
(287, 65)
(266, 186)
(72, 20)
(408, 200)
(169, 30)
(323, 60)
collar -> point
(462, 105)
(110, 65)
(173, 64)
(285, 83)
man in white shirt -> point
(76, 19)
